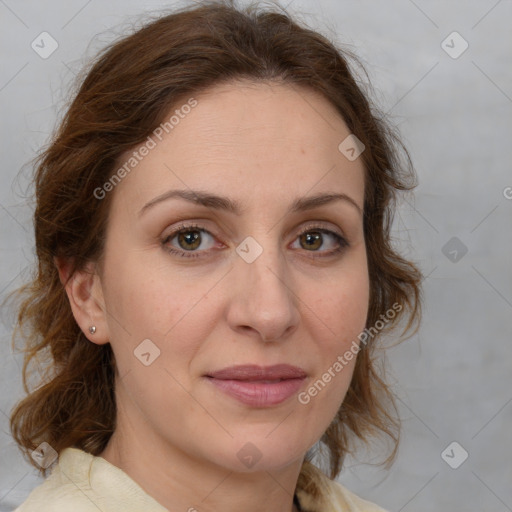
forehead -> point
(252, 114)
(272, 138)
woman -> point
(214, 268)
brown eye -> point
(311, 240)
(189, 240)
(186, 239)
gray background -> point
(454, 377)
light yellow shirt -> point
(81, 482)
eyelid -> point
(318, 225)
(185, 226)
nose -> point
(263, 303)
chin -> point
(252, 453)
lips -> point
(259, 386)
(255, 373)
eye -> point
(188, 239)
(312, 238)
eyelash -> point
(183, 228)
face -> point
(254, 279)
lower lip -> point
(259, 394)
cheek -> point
(341, 311)
(147, 299)
(343, 306)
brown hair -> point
(131, 86)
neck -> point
(179, 481)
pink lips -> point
(259, 386)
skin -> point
(177, 435)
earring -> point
(92, 329)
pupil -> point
(312, 240)
(190, 238)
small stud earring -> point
(92, 329)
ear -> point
(85, 294)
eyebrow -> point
(224, 203)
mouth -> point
(259, 386)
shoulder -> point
(65, 489)
(352, 502)
(318, 493)
(82, 482)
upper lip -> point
(254, 372)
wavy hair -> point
(129, 88)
